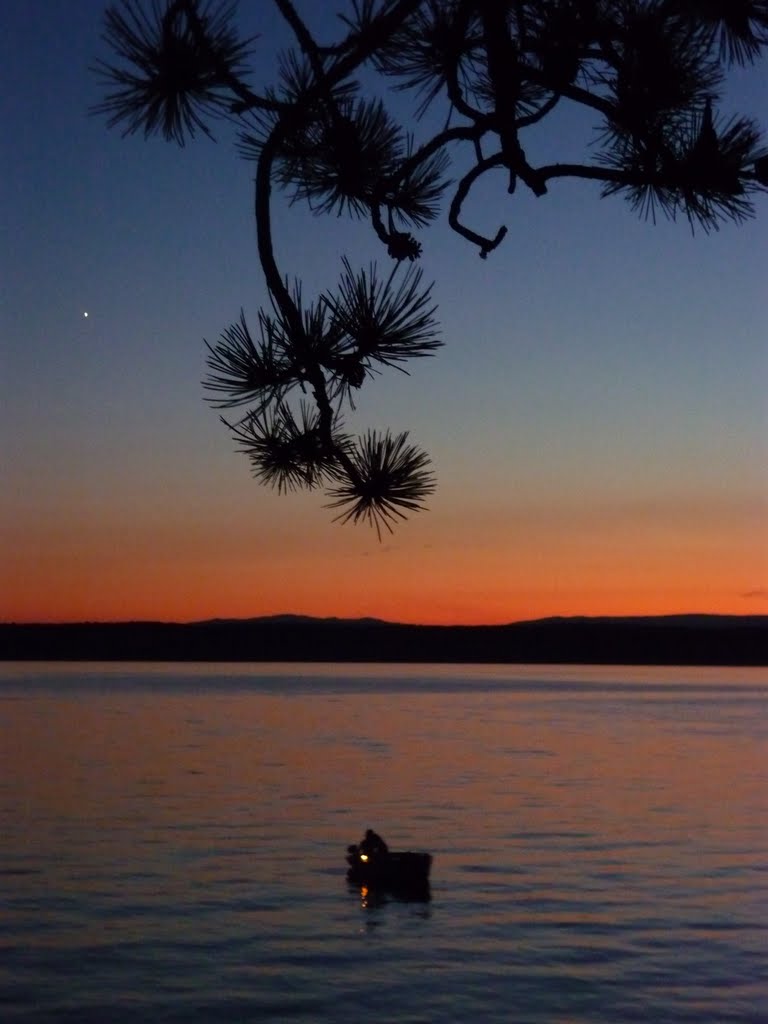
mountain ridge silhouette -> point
(684, 639)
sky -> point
(597, 419)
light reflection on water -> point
(173, 841)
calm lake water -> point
(172, 843)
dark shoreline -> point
(663, 640)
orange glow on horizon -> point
(471, 566)
(484, 591)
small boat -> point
(404, 872)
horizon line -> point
(272, 616)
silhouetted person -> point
(373, 844)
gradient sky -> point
(598, 418)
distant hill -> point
(655, 640)
(291, 619)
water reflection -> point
(372, 897)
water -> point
(173, 837)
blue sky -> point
(599, 406)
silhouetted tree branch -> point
(649, 71)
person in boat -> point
(373, 845)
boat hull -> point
(404, 870)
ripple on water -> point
(175, 854)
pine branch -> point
(485, 245)
(650, 70)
